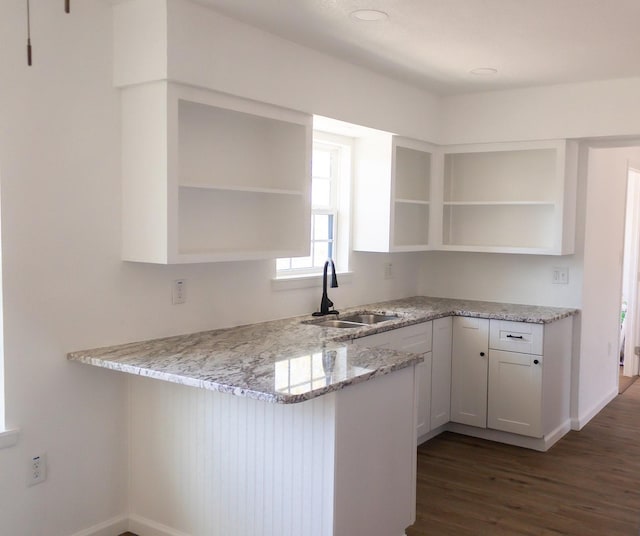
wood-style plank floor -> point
(588, 484)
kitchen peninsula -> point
(333, 454)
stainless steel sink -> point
(352, 321)
(337, 324)
(369, 318)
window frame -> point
(341, 148)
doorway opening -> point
(629, 345)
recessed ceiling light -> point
(369, 15)
(484, 71)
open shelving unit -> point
(211, 177)
(411, 195)
(510, 198)
(392, 194)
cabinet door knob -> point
(535, 361)
(481, 354)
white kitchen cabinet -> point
(418, 340)
(515, 393)
(415, 339)
(510, 197)
(392, 193)
(511, 377)
(469, 371)
(441, 372)
(211, 177)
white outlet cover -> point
(179, 291)
(37, 470)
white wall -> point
(500, 277)
(602, 283)
(65, 287)
(210, 50)
(585, 110)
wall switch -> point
(179, 291)
(37, 470)
(560, 276)
(388, 271)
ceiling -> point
(436, 43)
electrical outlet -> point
(179, 291)
(560, 276)
(388, 271)
(37, 470)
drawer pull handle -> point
(514, 337)
(481, 354)
(535, 361)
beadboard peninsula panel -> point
(204, 462)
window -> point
(331, 174)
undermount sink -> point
(337, 324)
(369, 318)
(353, 321)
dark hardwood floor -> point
(625, 382)
(588, 484)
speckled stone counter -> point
(292, 360)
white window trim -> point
(8, 438)
(296, 281)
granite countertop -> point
(291, 360)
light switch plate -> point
(560, 275)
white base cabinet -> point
(500, 380)
(515, 393)
(512, 377)
(515, 377)
(469, 362)
(441, 372)
(415, 339)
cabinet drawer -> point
(520, 337)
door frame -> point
(632, 318)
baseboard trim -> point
(557, 434)
(582, 420)
(432, 433)
(540, 444)
(116, 525)
(146, 527)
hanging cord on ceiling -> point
(67, 6)
(28, 34)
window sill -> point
(8, 438)
(306, 281)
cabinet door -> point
(423, 396)
(515, 393)
(441, 372)
(415, 339)
(469, 367)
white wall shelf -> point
(210, 177)
(392, 210)
(412, 202)
(509, 197)
(247, 189)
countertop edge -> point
(410, 311)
